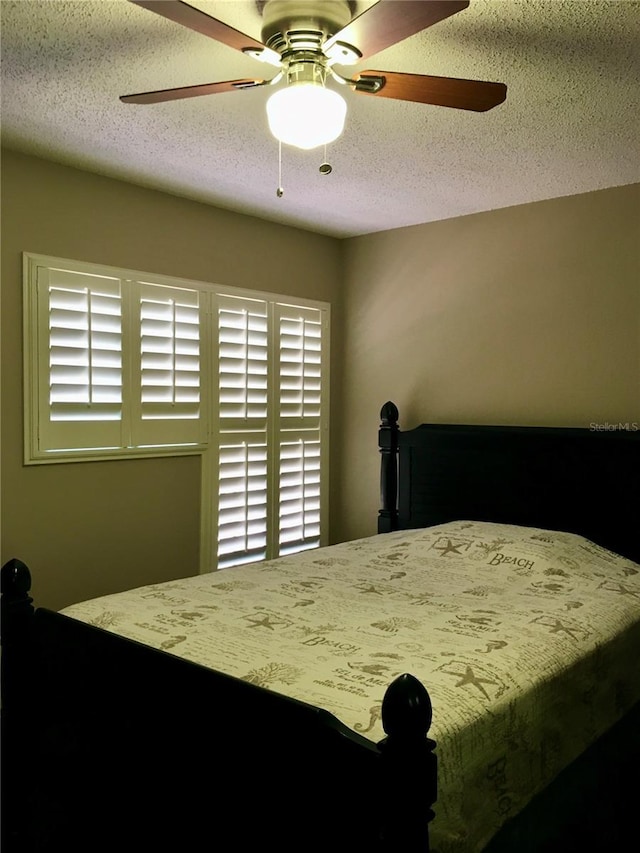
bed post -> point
(408, 766)
(388, 444)
(17, 612)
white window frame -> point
(275, 427)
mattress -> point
(526, 639)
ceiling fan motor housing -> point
(293, 25)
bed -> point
(289, 704)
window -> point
(123, 364)
(113, 363)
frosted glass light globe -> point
(306, 115)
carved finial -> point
(15, 579)
(389, 413)
(406, 709)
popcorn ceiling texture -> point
(570, 124)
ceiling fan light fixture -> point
(306, 115)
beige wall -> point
(91, 528)
(529, 315)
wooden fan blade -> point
(391, 21)
(476, 95)
(194, 19)
(190, 91)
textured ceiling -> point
(570, 124)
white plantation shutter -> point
(168, 398)
(79, 338)
(271, 419)
(113, 365)
(243, 367)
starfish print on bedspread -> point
(369, 588)
(469, 677)
(556, 626)
(620, 588)
(265, 621)
(450, 548)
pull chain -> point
(279, 191)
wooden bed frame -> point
(111, 745)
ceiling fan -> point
(304, 40)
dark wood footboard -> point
(112, 745)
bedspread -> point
(527, 640)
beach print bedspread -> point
(527, 640)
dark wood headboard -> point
(579, 480)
